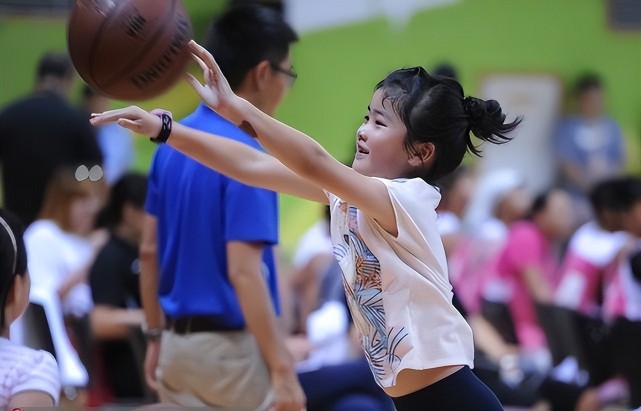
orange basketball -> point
(129, 49)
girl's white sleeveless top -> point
(398, 289)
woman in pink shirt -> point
(527, 264)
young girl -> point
(383, 224)
(28, 377)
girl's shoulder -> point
(21, 361)
(27, 369)
(413, 190)
(25, 358)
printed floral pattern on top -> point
(383, 346)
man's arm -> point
(149, 274)
(244, 269)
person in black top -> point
(116, 317)
(40, 133)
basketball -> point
(129, 49)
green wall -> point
(339, 67)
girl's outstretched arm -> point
(234, 159)
(294, 149)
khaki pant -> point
(219, 370)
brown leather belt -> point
(196, 324)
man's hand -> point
(288, 394)
(151, 364)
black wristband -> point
(165, 130)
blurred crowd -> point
(550, 282)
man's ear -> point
(425, 153)
(260, 75)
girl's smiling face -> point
(380, 141)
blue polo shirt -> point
(198, 211)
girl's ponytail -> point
(487, 122)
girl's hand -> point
(133, 118)
(216, 92)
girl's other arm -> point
(297, 151)
(243, 163)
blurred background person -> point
(116, 317)
(498, 200)
(588, 144)
(62, 244)
(116, 143)
(40, 133)
(590, 253)
(622, 299)
(526, 269)
(493, 203)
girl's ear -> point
(425, 153)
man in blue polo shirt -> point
(208, 275)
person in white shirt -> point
(383, 220)
(62, 242)
(28, 377)
(62, 245)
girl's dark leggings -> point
(461, 391)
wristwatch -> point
(151, 334)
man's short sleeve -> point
(251, 214)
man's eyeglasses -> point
(290, 73)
